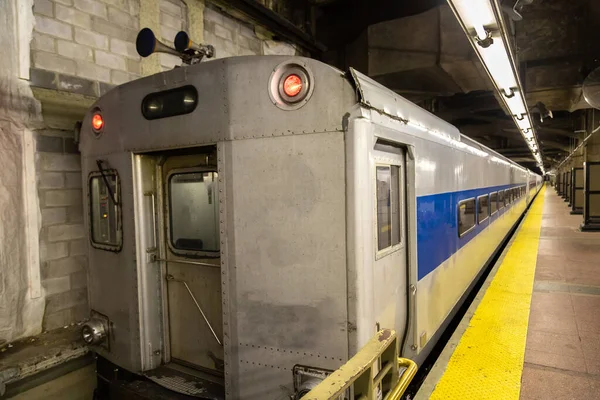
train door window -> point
(493, 202)
(500, 199)
(193, 213)
(105, 218)
(466, 216)
(483, 211)
(388, 206)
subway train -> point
(253, 221)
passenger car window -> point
(493, 202)
(501, 199)
(466, 216)
(388, 206)
(483, 210)
(105, 219)
(194, 211)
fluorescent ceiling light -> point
(515, 104)
(523, 123)
(480, 19)
(498, 64)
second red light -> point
(97, 122)
(292, 85)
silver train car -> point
(251, 218)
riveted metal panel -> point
(233, 103)
(113, 279)
(286, 260)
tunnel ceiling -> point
(417, 48)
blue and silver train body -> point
(253, 220)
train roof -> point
(239, 105)
(377, 97)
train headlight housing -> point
(291, 85)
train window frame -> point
(168, 220)
(393, 247)
(507, 197)
(495, 194)
(116, 246)
(501, 203)
(460, 203)
(478, 208)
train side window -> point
(500, 199)
(194, 212)
(466, 216)
(493, 202)
(388, 206)
(507, 197)
(105, 210)
(483, 212)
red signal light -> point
(97, 122)
(292, 85)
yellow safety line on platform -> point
(488, 361)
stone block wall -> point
(229, 36)
(63, 243)
(90, 39)
(84, 48)
(172, 19)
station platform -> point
(533, 330)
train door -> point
(390, 255)
(194, 306)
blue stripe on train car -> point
(437, 219)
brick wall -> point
(90, 39)
(172, 20)
(95, 39)
(63, 236)
(86, 47)
(229, 36)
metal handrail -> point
(405, 379)
(364, 373)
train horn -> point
(184, 44)
(146, 44)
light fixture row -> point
(480, 19)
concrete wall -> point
(21, 295)
(62, 55)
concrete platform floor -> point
(562, 355)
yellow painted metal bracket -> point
(373, 373)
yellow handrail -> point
(371, 374)
(405, 379)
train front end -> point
(217, 228)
